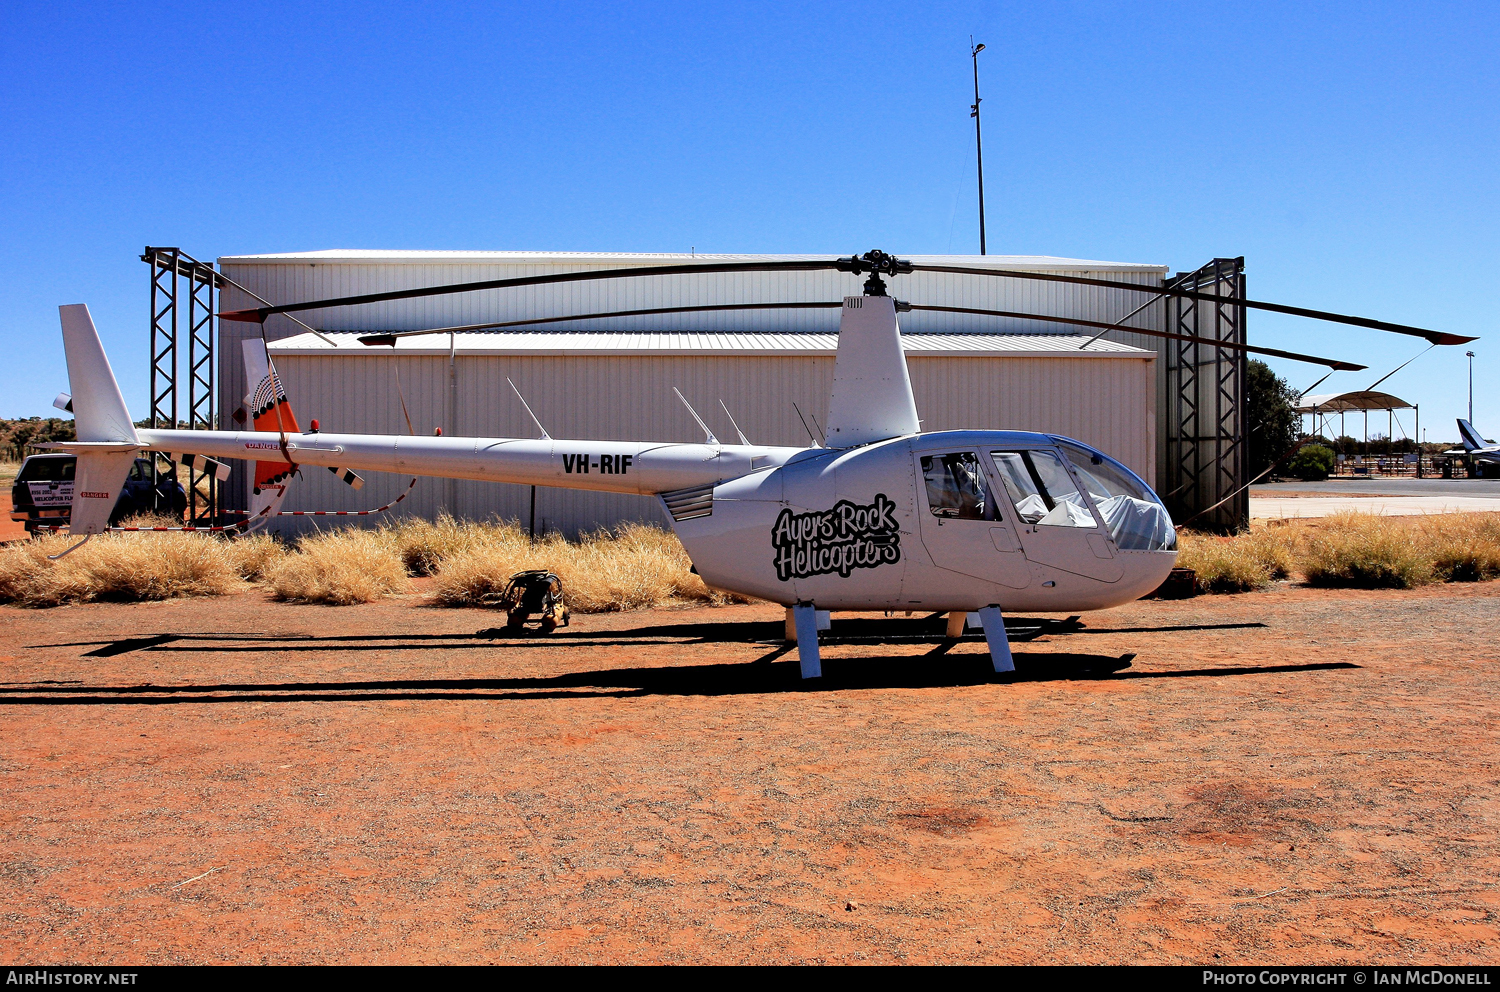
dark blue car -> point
(42, 495)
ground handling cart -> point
(539, 593)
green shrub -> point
(1311, 463)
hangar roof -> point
(396, 257)
(704, 343)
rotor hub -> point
(877, 263)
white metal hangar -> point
(612, 379)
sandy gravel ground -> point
(1291, 776)
(10, 530)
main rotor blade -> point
(259, 314)
(393, 337)
(1436, 337)
(390, 339)
(1332, 363)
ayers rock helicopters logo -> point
(849, 536)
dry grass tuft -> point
(1350, 549)
(626, 569)
(424, 544)
(477, 572)
(255, 555)
(1236, 564)
(1368, 551)
(1221, 564)
(340, 568)
(629, 568)
(1357, 549)
(636, 567)
(1465, 548)
(116, 567)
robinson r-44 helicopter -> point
(882, 517)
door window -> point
(1040, 487)
(956, 488)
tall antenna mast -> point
(974, 51)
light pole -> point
(1471, 370)
(974, 51)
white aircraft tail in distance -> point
(885, 518)
(1483, 454)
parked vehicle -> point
(42, 495)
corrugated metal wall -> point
(1106, 402)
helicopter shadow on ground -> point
(774, 672)
(929, 630)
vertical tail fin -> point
(109, 441)
(269, 411)
(1471, 439)
(98, 408)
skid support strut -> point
(805, 620)
(956, 623)
(994, 633)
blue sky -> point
(1349, 151)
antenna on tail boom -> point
(743, 439)
(810, 435)
(706, 431)
(545, 435)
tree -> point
(16, 434)
(1271, 422)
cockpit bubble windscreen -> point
(1136, 519)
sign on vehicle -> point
(50, 494)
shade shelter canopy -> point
(1359, 399)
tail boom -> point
(643, 468)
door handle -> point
(1003, 539)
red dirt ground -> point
(10, 530)
(237, 780)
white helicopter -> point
(884, 517)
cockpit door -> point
(1058, 526)
(964, 528)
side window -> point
(956, 488)
(44, 469)
(1023, 489)
(1041, 488)
(136, 471)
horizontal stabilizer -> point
(347, 477)
(205, 464)
(88, 447)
